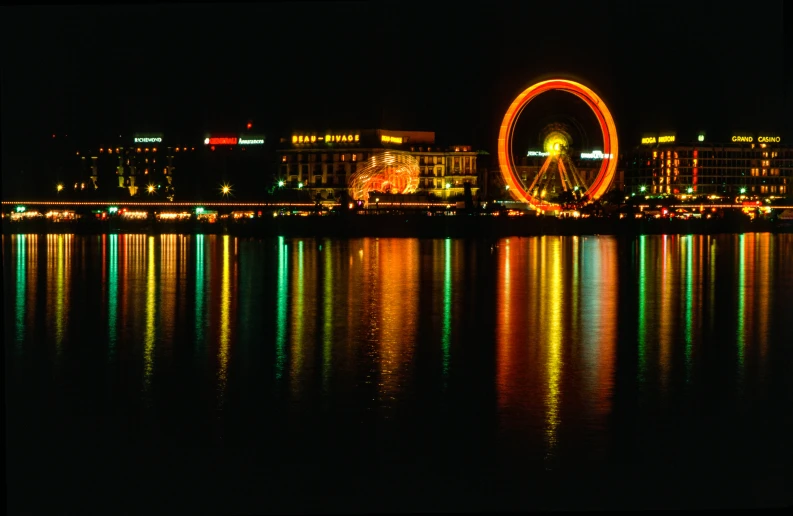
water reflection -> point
(21, 285)
(225, 320)
(282, 295)
(112, 296)
(59, 264)
(149, 335)
(377, 325)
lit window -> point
(283, 158)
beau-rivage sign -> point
(327, 138)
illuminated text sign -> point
(595, 155)
(258, 141)
(328, 138)
(148, 139)
(648, 140)
(220, 141)
(769, 139)
(747, 139)
(391, 139)
(536, 153)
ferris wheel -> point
(556, 145)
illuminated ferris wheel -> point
(558, 168)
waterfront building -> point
(324, 161)
(752, 164)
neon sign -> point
(595, 155)
(536, 153)
(328, 138)
(648, 140)
(747, 139)
(148, 139)
(391, 139)
(769, 139)
(666, 139)
(220, 141)
(243, 141)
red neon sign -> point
(222, 141)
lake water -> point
(168, 373)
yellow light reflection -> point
(151, 311)
(297, 317)
(63, 283)
(167, 294)
(327, 329)
(667, 308)
(553, 334)
(31, 285)
(765, 267)
(225, 321)
(396, 314)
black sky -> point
(93, 71)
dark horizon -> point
(83, 71)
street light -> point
(280, 184)
(642, 188)
(300, 185)
(225, 189)
(59, 187)
(743, 190)
(690, 190)
(150, 188)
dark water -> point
(211, 373)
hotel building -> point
(148, 165)
(323, 162)
(751, 164)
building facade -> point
(750, 164)
(324, 162)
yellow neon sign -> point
(769, 139)
(666, 139)
(747, 139)
(648, 140)
(391, 139)
(328, 138)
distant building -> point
(150, 166)
(323, 162)
(751, 164)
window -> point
(283, 158)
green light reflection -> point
(282, 297)
(642, 323)
(112, 301)
(447, 306)
(21, 285)
(199, 288)
(688, 242)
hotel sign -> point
(763, 138)
(148, 138)
(595, 155)
(649, 140)
(258, 140)
(326, 138)
(220, 141)
(390, 139)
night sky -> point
(185, 69)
